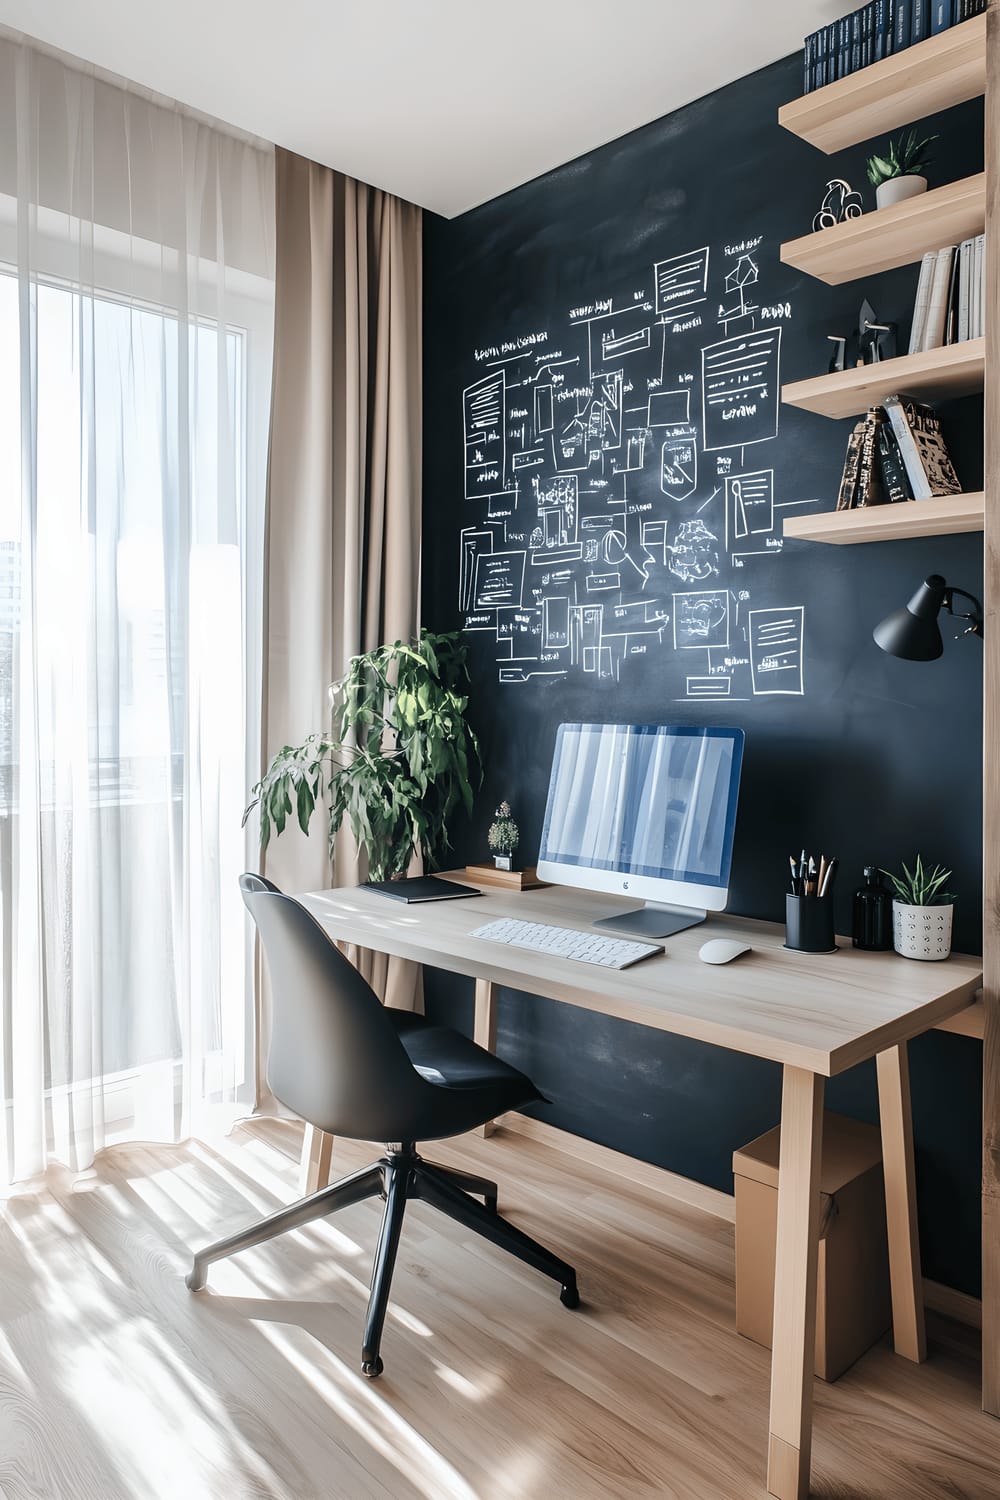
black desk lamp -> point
(913, 632)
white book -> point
(981, 288)
(920, 301)
(975, 289)
(907, 448)
(964, 289)
(937, 304)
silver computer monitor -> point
(644, 810)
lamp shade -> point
(913, 632)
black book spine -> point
(904, 21)
(951, 310)
(844, 47)
(940, 15)
(807, 65)
(868, 35)
(920, 20)
(897, 486)
(890, 27)
(855, 20)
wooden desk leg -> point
(485, 1029)
(317, 1158)
(794, 1344)
(901, 1204)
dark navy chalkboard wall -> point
(860, 755)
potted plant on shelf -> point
(922, 911)
(899, 173)
(399, 762)
(503, 837)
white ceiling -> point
(445, 102)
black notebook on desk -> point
(421, 888)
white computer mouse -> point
(722, 950)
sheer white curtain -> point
(136, 301)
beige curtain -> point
(342, 552)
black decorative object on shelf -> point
(876, 341)
(839, 354)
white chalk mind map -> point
(617, 492)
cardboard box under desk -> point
(853, 1307)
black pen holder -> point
(809, 924)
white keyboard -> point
(567, 942)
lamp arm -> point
(975, 614)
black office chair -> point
(352, 1067)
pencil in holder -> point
(809, 924)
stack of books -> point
(950, 305)
(877, 30)
(896, 453)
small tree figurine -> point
(502, 838)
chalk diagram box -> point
(749, 505)
(740, 382)
(701, 618)
(499, 579)
(681, 282)
(776, 650)
(709, 687)
(484, 415)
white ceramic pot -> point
(899, 188)
(922, 931)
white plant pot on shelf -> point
(897, 189)
(922, 931)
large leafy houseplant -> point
(400, 759)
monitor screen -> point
(650, 800)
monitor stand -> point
(652, 920)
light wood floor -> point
(116, 1382)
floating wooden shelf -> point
(935, 74)
(936, 375)
(888, 523)
(891, 237)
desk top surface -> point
(822, 1012)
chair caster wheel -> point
(569, 1296)
(372, 1368)
(195, 1281)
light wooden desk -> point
(816, 1015)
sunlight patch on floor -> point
(361, 1407)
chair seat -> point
(471, 1085)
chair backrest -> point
(335, 1056)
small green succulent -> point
(921, 886)
(904, 157)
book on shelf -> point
(869, 489)
(875, 31)
(948, 302)
(896, 453)
(904, 25)
(977, 305)
(964, 290)
(894, 475)
(849, 479)
(937, 302)
(951, 305)
(920, 301)
(926, 459)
